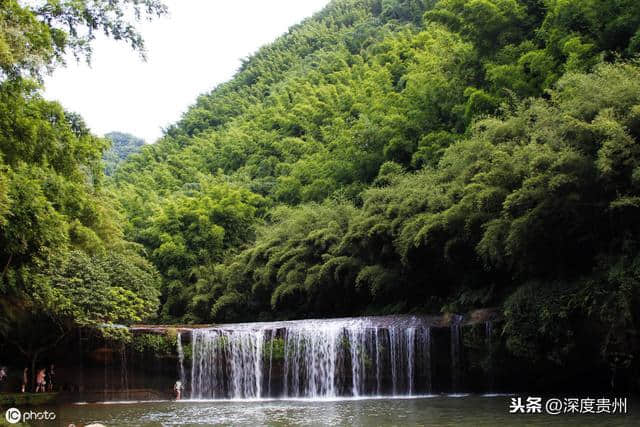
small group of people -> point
(44, 379)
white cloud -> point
(198, 46)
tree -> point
(71, 290)
(64, 261)
(37, 35)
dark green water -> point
(428, 411)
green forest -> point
(382, 156)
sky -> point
(196, 47)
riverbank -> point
(27, 399)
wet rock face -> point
(103, 355)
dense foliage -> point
(416, 156)
(122, 146)
(64, 261)
(383, 156)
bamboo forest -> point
(418, 207)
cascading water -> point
(272, 337)
(424, 354)
(227, 363)
(180, 358)
(410, 337)
(312, 358)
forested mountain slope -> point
(383, 156)
(122, 146)
(395, 156)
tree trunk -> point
(32, 355)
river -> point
(440, 410)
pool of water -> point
(441, 410)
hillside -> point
(411, 156)
(383, 156)
(122, 146)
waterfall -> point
(180, 359)
(393, 358)
(226, 363)
(425, 350)
(272, 337)
(314, 359)
(410, 337)
(379, 359)
(311, 360)
(456, 356)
